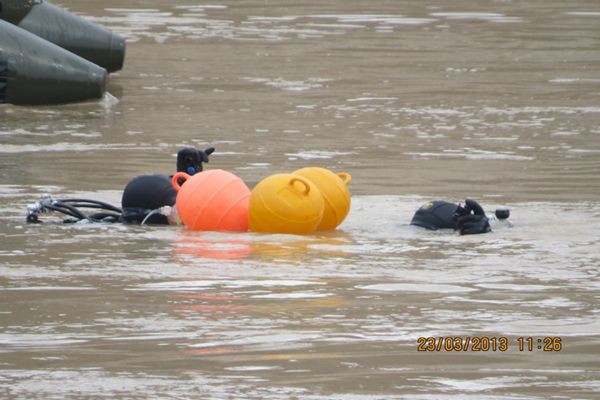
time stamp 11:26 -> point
(489, 343)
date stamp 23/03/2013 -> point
(490, 343)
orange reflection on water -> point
(195, 244)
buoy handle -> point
(346, 177)
(302, 181)
(176, 178)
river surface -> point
(417, 100)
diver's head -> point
(145, 193)
(435, 215)
(189, 160)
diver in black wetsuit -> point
(468, 219)
(142, 198)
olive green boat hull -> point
(71, 32)
(35, 71)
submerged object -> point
(286, 203)
(334, 188)
(71, 32)
(214, 200)
(35, 71)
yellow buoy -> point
(334, 188)
(285, 203)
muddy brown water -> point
(418, 100)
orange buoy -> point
(214, 200)
(334, 188)
(285, 203)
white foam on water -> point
(294, 86)
(416, 287)
(70, 147)
(47, 288)
(584, 13)
(519, 287)
(375, 19)
(482, 16)
(292, 295)
(488, 383)
(108, 100)
(285, 18)
(201, 284)
(472, 154)
(202, 7)
(250, 368)
(35, 340)
(540, 110)
(316, 154)
(362, 99)
(574, 80)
